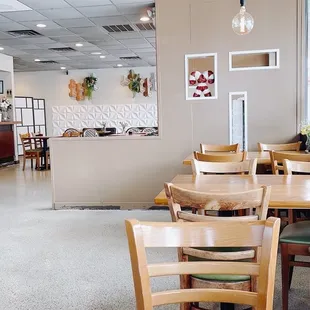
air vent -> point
(48, 62)
(62, 49)
(145, 27)
(118, 28)
(130, 58)
(24, 33)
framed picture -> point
(1, 87)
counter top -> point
(9, 123)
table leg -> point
(227, 306)
(45, 164)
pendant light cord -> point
(242, 2)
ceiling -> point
(76, 21)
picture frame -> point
(1, 87)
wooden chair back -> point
(279, 147)
(277, 159)
(219, 148)
(257, 199)
(221, 157)
(295, 166)
(71, 132)
(257, 234)
(244, 167)
(37, 142)
(90, 132)
(26, 142)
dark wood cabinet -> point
(7, 145)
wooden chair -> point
(201, 167)
(277, 159)
(279, 147)
(37, 142)
(71, 132)
(30, 152)
(222, 202)
(294, 240)
(258, 234)
(238, 157)
(219, 148)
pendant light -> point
(243, 22)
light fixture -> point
(37, 60)
(119, 65)
(243, 22)
(144, 19)
(1, 48)
(102, 56)
(41, 25)
(79, 44)
(96, 53)
(63, 68)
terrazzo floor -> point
(75, 259)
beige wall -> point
(131, 172)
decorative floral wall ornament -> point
(90, 85)
(201, 81)
(137, 84)
(76, 90)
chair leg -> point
(291, 216)
(276, 213)
(285, 275)
(24, 163)
(291, 270)
(31, 164)
(38, 161)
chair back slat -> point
(26, 142)
(219, 148)
(243, 167)
(263, 234)
(290, 166)
(71, 132)
(221, 157)
(279, 147)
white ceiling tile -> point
(26, 47)
(33, 25)
(81, 3)
(102, 10)
(135, 19)
(152, 40)
(24, 16)
(149, 33)
(116, 2)
(112, 20)
(134, 42)
(51, 45)
(12, 5)
(37, 40)
(11, 26)
(120, 52)
(132, 8)
(11, 42)
(61, 13)
(4, 19)
(144, 50)
(61, 32)
(74, 22)
(5, 36)
(126, 35)
(45, 4)
(68, 39)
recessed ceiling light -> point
(96, 53)
(102, 56)
(41, 25)
(37, 60)
(119, 65)
(78, 44)
(145, 19)
(63, 68)
(1, 48)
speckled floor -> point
(73, 259)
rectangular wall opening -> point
(254, 60)
(238, 131)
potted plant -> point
(90, 85)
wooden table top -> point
(288, 192)
(39, 137)
(262, 157)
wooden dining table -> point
(287, 191)
(262, 157)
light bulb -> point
(243, 22)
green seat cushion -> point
(219, 277)
(298, 233)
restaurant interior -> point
(154, 139)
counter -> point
(7, 145)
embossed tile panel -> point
(90, 116)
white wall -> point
(53, 87)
